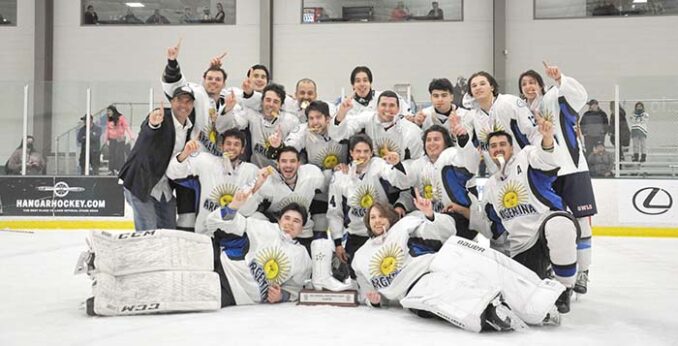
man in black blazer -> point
(163, 134)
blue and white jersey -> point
(256, 254)
(518, 198)
(560, 106)
(353, 193)
(435, 118)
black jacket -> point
(149, 158)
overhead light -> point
(640, 1)
(134, 4)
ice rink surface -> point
(632, 300)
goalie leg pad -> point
(146, 251)
(156, 292)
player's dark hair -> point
(443, 131)
(386, 210)
(289, 149)
(440, 84)
(318, 106)
(389, 93)
(359, 69)
(276, 88)
(295, 207)
(499, 134)
(360, 138)
(536, 76)
(260, 67)
(493, 82)
(235, 133)
(215, 68)
(306, 80)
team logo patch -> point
(386, 145)
(512, 194)
(275, 264)
(221, 196)
(485, 131)
(386, 264)
(293, 198)
(364, 196)
(328, 157)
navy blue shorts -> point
(577, 193)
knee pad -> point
(560, 231)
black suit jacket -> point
(149, 158)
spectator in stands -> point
(35, 162)
(436, 12)
(607, 8)
(400, 12)
(600, 161)
(130, 18)
(639, 132)
(94, 146)
(116, 128)
(91, 17)
(219, 18)
(594, 125)
(187, 17)
(625, 133)
(157, 18)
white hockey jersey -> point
(435, 118)
(517, 199)
(400, 136)
(358, 108)
(261, 129)
(351, 194)
(256, 254)
(275, 194)
(385, 263)
(321, 150)
(560, 106)
(218, 183)
(292, 106)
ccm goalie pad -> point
(154, 292)
(146, 251)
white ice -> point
(631, 301)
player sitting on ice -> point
(249, 261)
(465, 283)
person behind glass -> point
(91, 17)
(594, 125)
(639, 132)
(157, 18)
(436, 12)
(219, 18)
(187, 17)
(400, 12)
(625, 133)
(600, 161)
(116, 128)
(130, 17)
(35, 162)
(94, 146)
(163, 135)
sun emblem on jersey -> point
(364, 196)
(430, 189)
(386, 145)
(223, 194)
(275, 264)
(547, 115)
(328, 157)
(388, 260)
(485, 131)
(210, 133)
(293, 198)
(512, 194)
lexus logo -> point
(652, 201)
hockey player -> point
(265, 122)
(367, 180)
(364, 98)
(466, 284)
(491, 111)
(520, 209)
(560, 105)
(219, 177)
(442, 105)
(292, 182)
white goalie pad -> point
(451, 297)
(147, 251)
(528, 296)
(156, 292)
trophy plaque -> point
(341, 298)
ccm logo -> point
(652, 201)
(140, 307)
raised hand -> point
(275, 140)
(157, 115)
(229, 102)
(424, 205)
(344, 107)
(341, 167)
(247, 84)
(173, 52)
(191, 147)
(216, 61)
(240, 197)
(456, 128)
(392, 158)
(419, 118)
(552, 71)
(544, 126)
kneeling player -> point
(249, 261)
